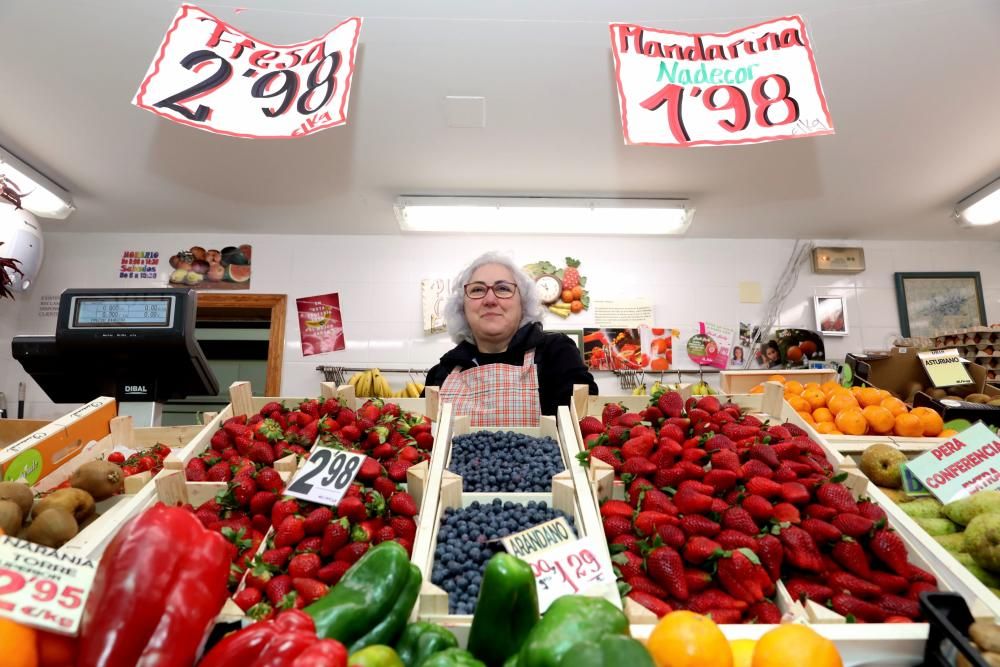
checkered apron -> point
(496, 394)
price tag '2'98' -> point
(325, 477)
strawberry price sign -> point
(212, 76)
(42, 587)
(755, 84)
(325, 477)
(572, 568)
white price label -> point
(573, 568)
(326, 476)
(42, 587)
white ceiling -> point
(912, 87)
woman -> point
(505, 371)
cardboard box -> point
(741, 382)
(900, 371)
(951, 409)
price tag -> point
(326, 476)
(964, 465)
(572, 568)
(945, 368)
(209, 75)
(758, 83)
(539, 538)
(41, 587)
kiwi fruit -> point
(977, 398)
(20, 493)
(938, 393)
(77, 502)
(53, 527)
(101, 479)
(11, 517)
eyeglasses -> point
(501, 289)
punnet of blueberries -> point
(469, 537)
(505, 461)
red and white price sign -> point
(41, 587)
(572, 568)
(751, 85)
(210, 75)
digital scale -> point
(137, 345)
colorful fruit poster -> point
(754, 84)
(711, 345)
(321, 328)
(210, 75)
(141, 264)
(212, 269)
(791, 348)
(561, 290)
(658, 344)
(613, 349)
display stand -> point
(137, 345)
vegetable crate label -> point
(962, 466)
(568, 568)
(758, 83)
(42, 587)
(326, 476)
(944, 367)
(210, 75)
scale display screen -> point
(122, 312)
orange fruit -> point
(576, 306)
(883, 394)
(815, 397)
(795, 644)
(18, 642)
(776, 378)
(829, 386)
(843, 401)
(880, 420)
(794, 387)
(759, 389)
(812, 385)
(851, 421)
(742, 651)
(893, 405)
(869, 396)
(799, 404)
(856, 391)
(948, 433)
(931, 421)
(687, 639)
(807, 417)
(909, 425)
(826, 428)
(794, 353)
(823, 415)
(577, 292)
(567, 296)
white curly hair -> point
(454, 310)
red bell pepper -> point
(157, 590)
(286, 641)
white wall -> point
(378, 280)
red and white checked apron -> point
(496, 394)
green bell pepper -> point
(375, 655)
(364, 595)
(452, 657)
(506, 611)
(421, 640)
(391, 626)
(570, 620)
(612, 650)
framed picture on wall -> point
(831, 315)
(940, 301)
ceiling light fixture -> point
(980, 208)
(38, 193)
(543, 215)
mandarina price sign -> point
(754, 84)
(209, 75)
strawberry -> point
(611, 412)
(608, 455)
(350, 432)
(847, 605)
(352, 552)
(821, 531)
(689, 501)
(718, 443)
(396, 470)
(771, 555)
(739, 431)
(794, 493)
(731, 540)
(652, 414)
(627, 420)
(352, 508)
(671, 535)
(309, 589)
(764, 454)
(283, 509)
(277, 588)
(331, 573)
(290, 532)
(268, 479)
(647, 522)
(235, 429)
(758, 507)
(721, 480)
(709, 404)
(894, 605)
(870, 510)
(671, 431)
(821, 512)
(735, 573)
(220, 472)
(424, 441)
(764, 612)
(851, 556)
(670, 404)
(666, 568)
(740, 520)
(694, 524)
(727, 460)
(262, 502)
(617, 435)
(801, 589)
(638, 447)
(800, 549)
(786, 512)
(271, 406)
(571, 274)
(853, 525)
(918, 574)
(915, 589)
(616, 508)
(590, 425)
(644, 584)
(694, 455)
(838, 497)
(628, 542)
(712, 599)
(385, 486)
(699, 549)
(637, 467)
(616, 525)
(856, 586)
(304, 565)
(889, 583)
(628, 564)
(403, 526)
(652, 603)
(765, 488)
(309, 545)
(697, 580)
(317, 520)
(220, 441)
(247, 598)
(336, 534)
(261, 452)
(636, 490)
(403, 504)
(654, 500)
(725, 616)
(889, 548)
(195, 470)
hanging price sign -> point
(325, 477)
(210, 75)
(42, 587)
(751, 85)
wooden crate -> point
(429, 406)
(12, 430)
(741, 382)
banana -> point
(639, 391)
(380, 386)
(364, 386)
(354, 380)
(561, 312)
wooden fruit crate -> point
(429, 406)
(741, 382)
(12, 430)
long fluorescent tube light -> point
(980, 208)
(543, 215)
(38, 193)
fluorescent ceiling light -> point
(981, 207)
(543, 215)
(38, 194)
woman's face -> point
(772, 354)
(492, 320)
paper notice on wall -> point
(320, 325)
(142, 264)
(433, 295)
(711, 347)
(48, 305)
(630, 313)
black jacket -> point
(556, 355)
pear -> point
(880, 463)
(953, 542)
(936, 526)
(965, 510)
(923, 508)
(987, 578)
(982, 541)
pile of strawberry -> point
(720, 506)
(150, 459)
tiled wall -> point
(378, 280)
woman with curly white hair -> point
(505, 370)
